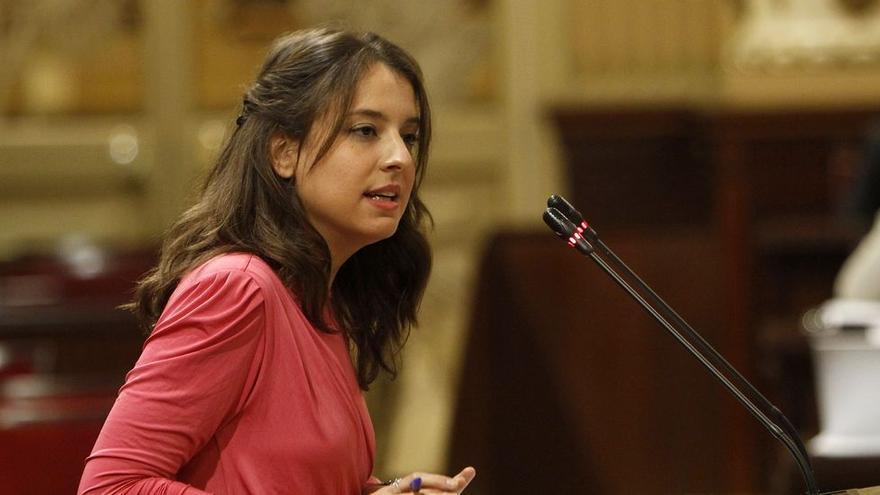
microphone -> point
(569, 211)
(569, 224)
(563, 227)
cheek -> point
(322, 191)
(309, 194)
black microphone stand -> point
(568, 224)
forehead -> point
(384, 89)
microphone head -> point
(558, 223)
(566, 230)
(564, 207)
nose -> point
(397, 155)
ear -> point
(283, 152)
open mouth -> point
(382, 196)
(389, 193)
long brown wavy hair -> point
(245, 207)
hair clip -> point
(246, 107)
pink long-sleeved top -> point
(235, 393)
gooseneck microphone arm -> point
(568, 224)
(581, 226)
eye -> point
(364, 130)
(410, 140)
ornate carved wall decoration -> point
(779, 34)
(857, 7)
(69, 56)
(452, 39)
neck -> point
(341, 249)
(337, 259)
(334, 268)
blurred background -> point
(716, 145)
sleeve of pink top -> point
(194, 374)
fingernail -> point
(415, 484)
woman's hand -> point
(427, 483)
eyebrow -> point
(375, 114)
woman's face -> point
(357, 193)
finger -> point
(429, 481)
(438, 484)
(464, 478)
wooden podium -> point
(568, 385)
